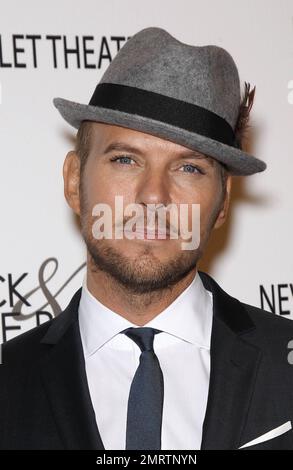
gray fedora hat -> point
(187, 94)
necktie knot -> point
(143, 337)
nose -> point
(153, 189)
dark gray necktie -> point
(146, 396)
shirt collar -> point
(188, 317)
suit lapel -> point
(234, 368)
(64, 378)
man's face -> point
(144, 170)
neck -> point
(136, 308)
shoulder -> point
(273, 334)
(268, 320)
(264, 320)
(26, 346)
(29, 346)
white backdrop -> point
(42, 253)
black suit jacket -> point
(45, 401)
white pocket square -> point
(270, 435)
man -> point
(151, 353)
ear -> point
(71, 177)
(224, 211)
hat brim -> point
(237, 161)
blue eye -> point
(191, 168)
(123, 158)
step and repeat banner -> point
(62, 49)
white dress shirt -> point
(183, 350)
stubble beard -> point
(144, 273)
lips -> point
(153, 234)
(150, 233)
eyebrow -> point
(121, 146)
